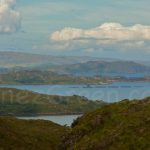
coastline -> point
(42, 114)
(110, 81)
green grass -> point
(45, 77)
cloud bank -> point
(10, 19)
(106, 37)
(107, 31)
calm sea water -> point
(109, 93)
(62, 120)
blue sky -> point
(40, 19)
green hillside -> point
(29, 135)
(119, 126)
(45, 77)
(22, 102)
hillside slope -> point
(22, 102)
(119, 126)
(93, 68)
(29, 135)
(45, 77)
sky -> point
(98, 28)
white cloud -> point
(10, 19)
(108, 36)
(105, 32)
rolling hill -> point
(29, 135)
(22, 102)
(45, 77)
(124, 125)
(119, 126)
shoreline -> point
(105, 83)
(43, 114)
(57, 84)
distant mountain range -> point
(72, 65)
(146, 63)
(93, 68)
(18, 59)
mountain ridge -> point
(103, 67)
(20, 59)
(72, 65)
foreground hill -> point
(119, 126)
(93, 68)
(29, 135)
(22, 102)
